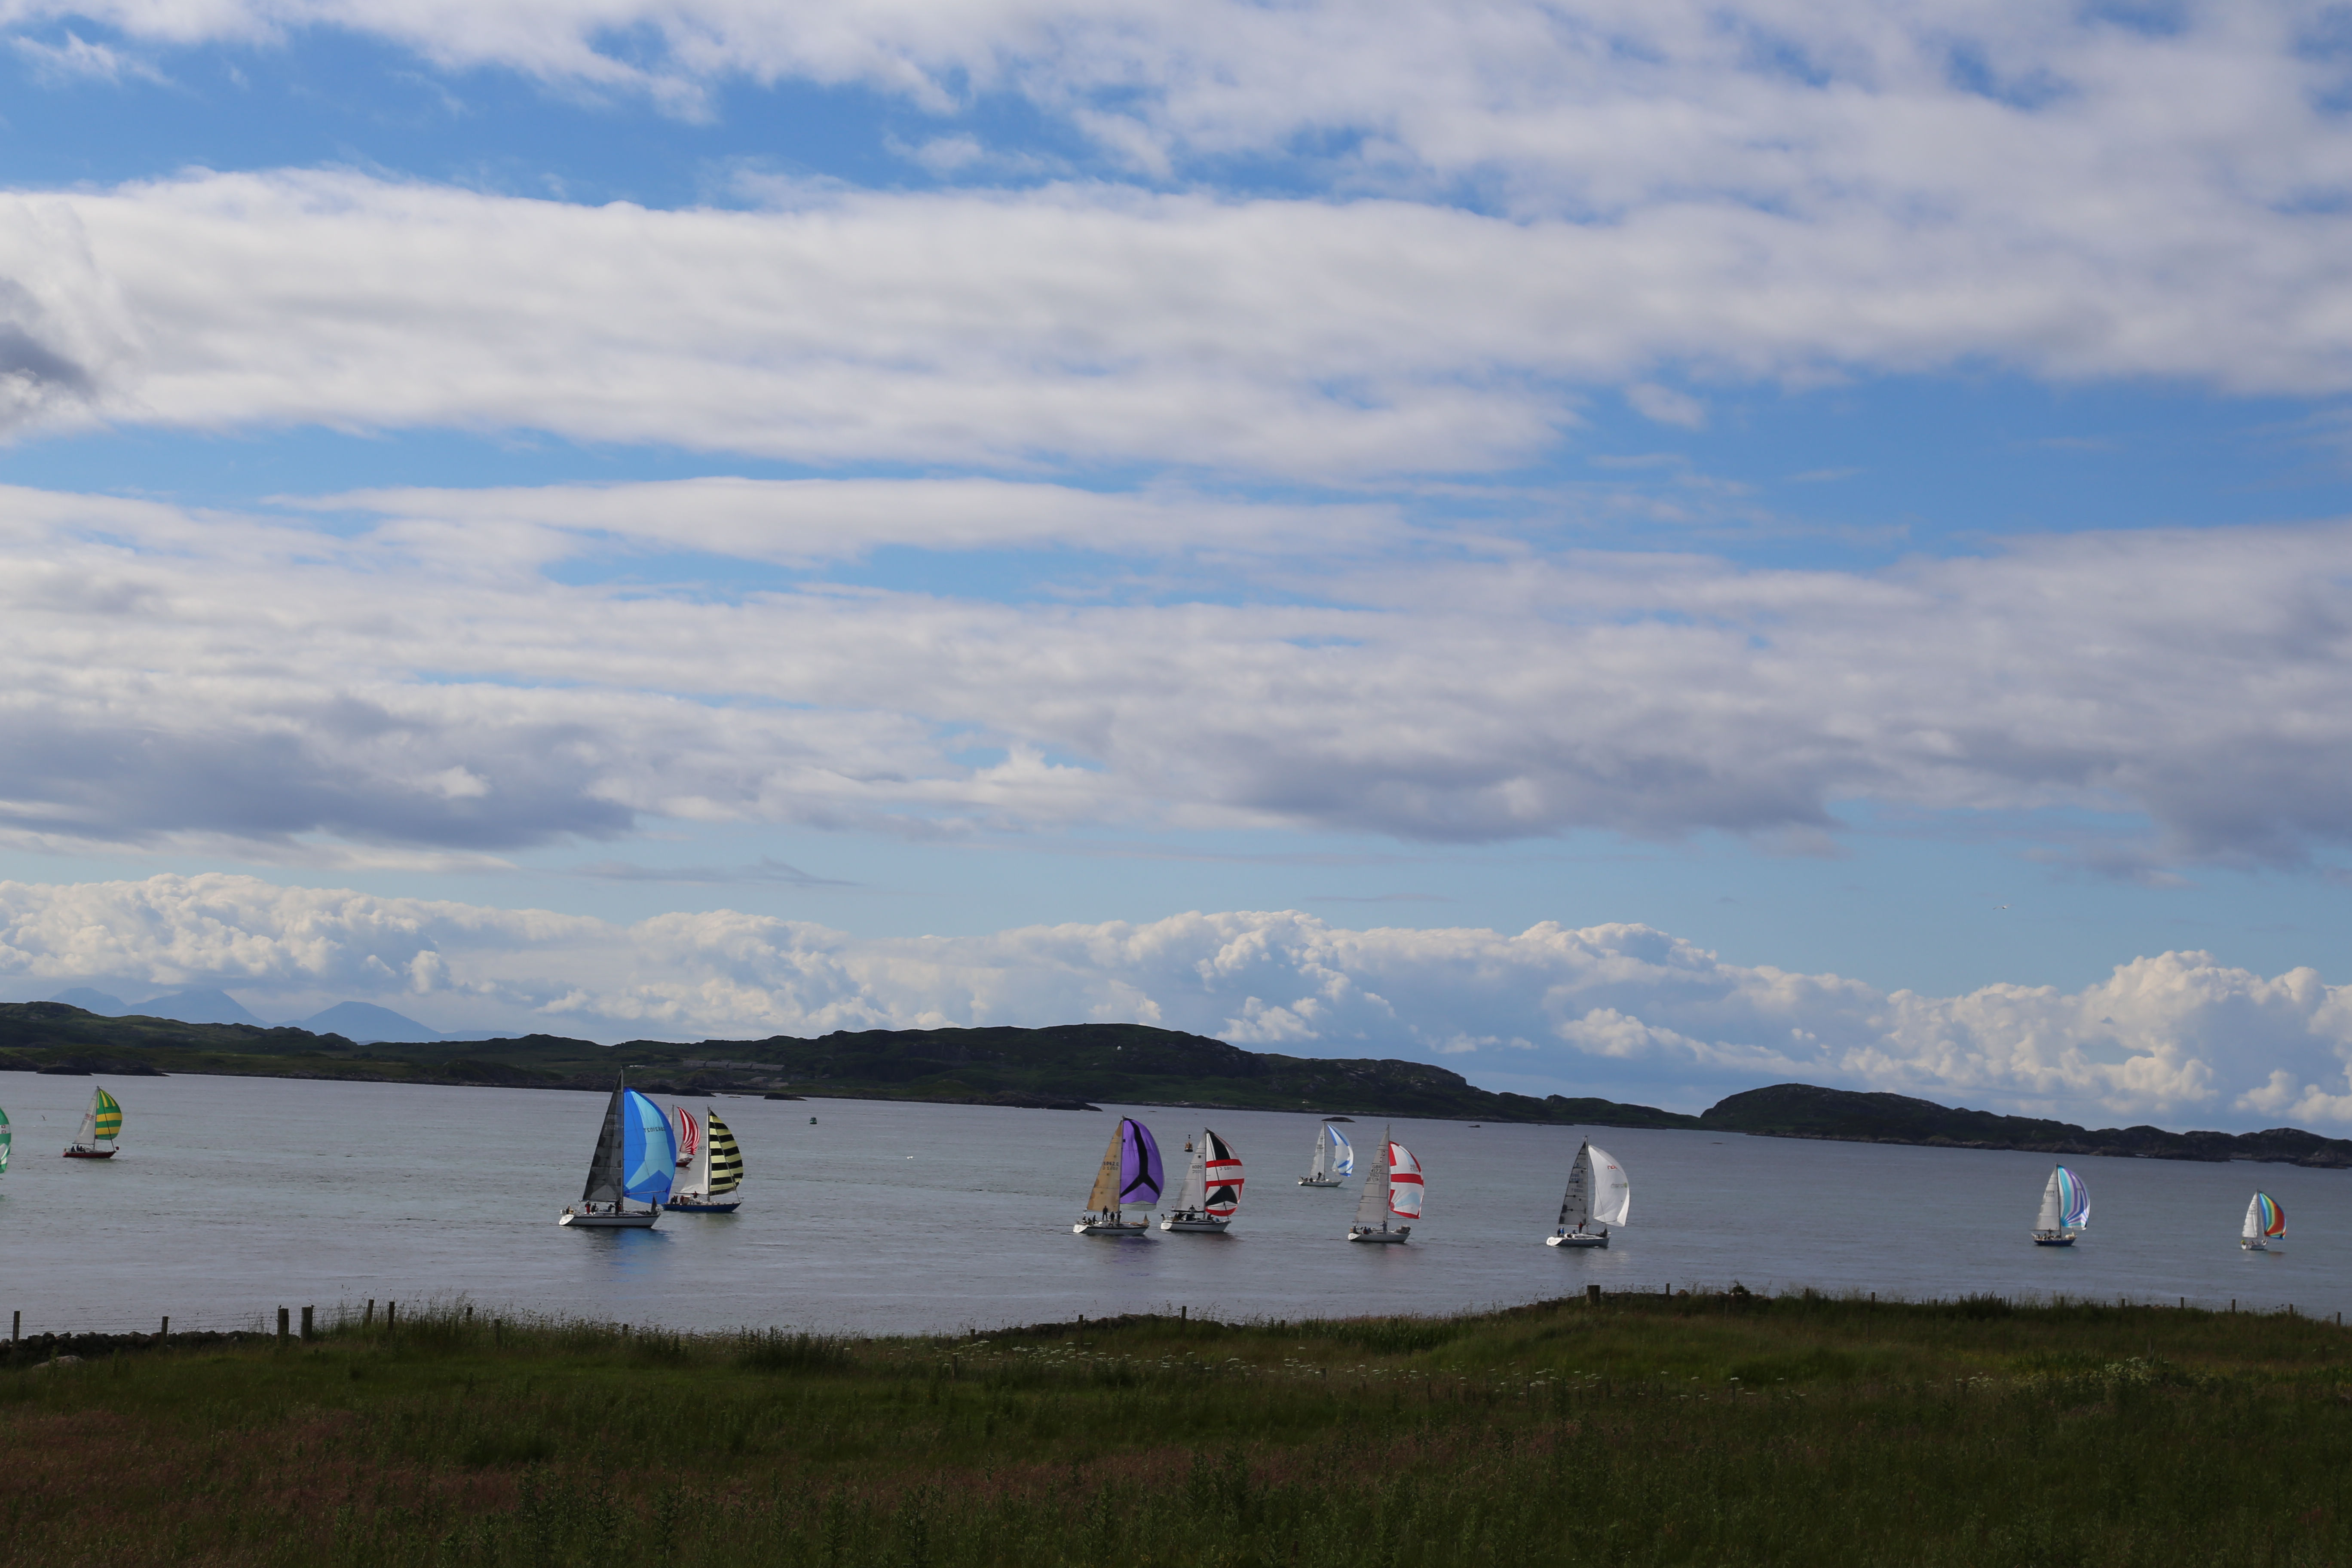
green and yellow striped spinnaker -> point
(107, 1111)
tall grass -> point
(1712, 1429)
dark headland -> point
(1069, 1067)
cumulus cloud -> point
(429, 686)
(1087, 323)
(1607, 1009)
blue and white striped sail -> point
(1343, 1154)
(648, 1149)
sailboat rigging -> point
(1597, 1195)
(1335, 1160)
(101, 1124)
(1392, 1189)
(1129, 1176)
(2265, 1223)
(637, 1155)
(2065, 1210)
(710, 1171)
(1213, 1188)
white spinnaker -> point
(1612, 1194)
(1404, 1182)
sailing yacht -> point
(101, 1124)
(2265, 1223)
(1393, 1188)
(1597, 1195)
(2065, 1210)
(1213, 1188)
(636, 1157)
(1334, 1160)
(1130, 1175)
(711, 1163)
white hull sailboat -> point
(1392, 1191)
(101, 1124)
(2065, 1210)
(636, 1157)
(2265, 1223)
(1129, 1176)
(710, 1164)
(1213, 1189)
(1598, 1195)
(1335, 1160)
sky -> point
(1634, 550)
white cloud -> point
(169, 677)
(1613, 1009)
(77, 58)
(1090, 323)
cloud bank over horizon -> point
(1623, 1011)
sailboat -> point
(101, 1124)
(713, 1167)
(636, 1157)
(2065, 1210)
(1130, 1175)
(1394, 1187)
(1597, 1195)
(2265, 1223)
(1213, 1188)
(1334, 1160)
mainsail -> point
(1130, 1171)
(726, 1159)
(1195, 1179)
(1372, 1208)
(2264, 1218)
(1221, 1174)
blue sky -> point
(777, 486)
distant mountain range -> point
(362, 1023)
(1069, 1067)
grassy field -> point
(1712, 1429)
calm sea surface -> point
(233, 1196)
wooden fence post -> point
(281, 1327)
(306, 1320)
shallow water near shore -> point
(234, 1195)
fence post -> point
(16, 1327)
(1592, 1295)
(166, 1329)
(281, 1327)
(369, 1321)
(306, 1320)
(391, 1315)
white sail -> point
(1372, 1208)
(1404, 1181)
(2053, 1213)
(1195, 1185)
(1612, 1194)
(2253, 1230)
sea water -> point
(233, 1196)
